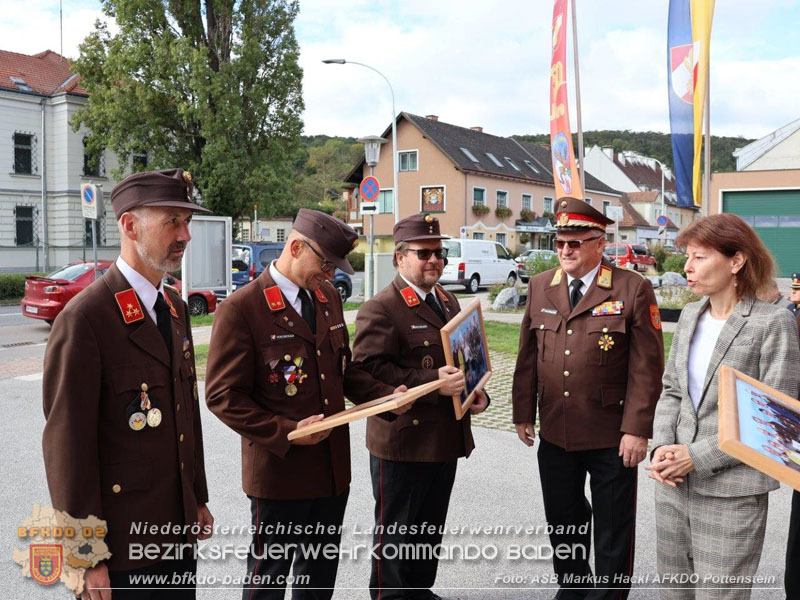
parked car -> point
(250, 260)
(631, 256)
(45, 297)
(200, 302)
(476, 263)
(524, 273)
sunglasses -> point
(327, 266)
(575, 244)
(425, 253)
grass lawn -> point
(351, 305)
(202, 320)
(503, 338)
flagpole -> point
(578, 95)
(707, 152)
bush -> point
(479, 210)
(12, 285)
(676, 296)
(356, 259)
(660, 254)
(675, 263)
(540, 263)
(503, 212)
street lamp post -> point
(372, 153)
(396, 192)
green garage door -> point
(775, 215)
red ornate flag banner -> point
(565, 172)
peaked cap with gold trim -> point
(577, 214)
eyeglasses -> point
(425, 253)
(575, 244)
(327, 266)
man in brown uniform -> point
(413, 456)
(123, 440)
(591, 358)
(279, 359)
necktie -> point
(576, 294)
(430, 300)
(307, 308)
(164, 321)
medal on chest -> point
(143, 411)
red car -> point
(632, 256)
(47, 296)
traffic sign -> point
(369, 188)
(662, 221)
(369, 208)
(92, 208)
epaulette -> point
(557, 277)
(128, 303)
(410, 296)
(274, 298)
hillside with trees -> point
(649, 143)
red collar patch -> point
(274, 298)
(441, 294)
(172, 310)
(129, 306)
(410, 296)
(320, 296)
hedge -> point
(12, 285)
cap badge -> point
(563, 218)
(563, 204)
(428, 219)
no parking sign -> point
(369, 189)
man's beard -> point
(166, 265)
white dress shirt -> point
(288, 287)
(586, 279)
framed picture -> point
(465, 347)
(368, 409)
(760, 426)
(432, 199)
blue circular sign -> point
(369, 189)
(662, 221)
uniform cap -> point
(335, 238)
(417, 227)
(169, 187)
(796, 281)
(574, 213)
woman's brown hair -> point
(729, 234)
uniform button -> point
(567, 352)
(322, 376)
(541, 326)
(178, 407)
(181, 466)
(566, 394)
(620, 402)
(319, 353)
(187, 354)
(116, 488)
(415, 421)
(605, 329)
(325, 402)
(287, 357)
(426, 343)
(566, 373)
(181, 437)
(569, 331)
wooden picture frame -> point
(368, 409)
(465, 347)
(760, 426)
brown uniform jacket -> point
(94, 367)
(596, 376)
(253, 347)
(401, 344)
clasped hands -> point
(670, 463)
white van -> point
(475, 263)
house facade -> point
(479, 185)
(41, 220)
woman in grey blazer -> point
(711, 509)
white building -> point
(40, 189)
(775, 151)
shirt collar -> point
(422, 294)
(140, 284)
(289, 288)
(586, 279)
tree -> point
(212, 86)
(322, 181)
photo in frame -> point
(432, 199)
(465, 347)
(760, 426)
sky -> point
(486, 63)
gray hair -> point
(399, 247)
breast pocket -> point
(425, 351)
(546, 330)
(136, 391)
(607, 339)
(287, 368)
